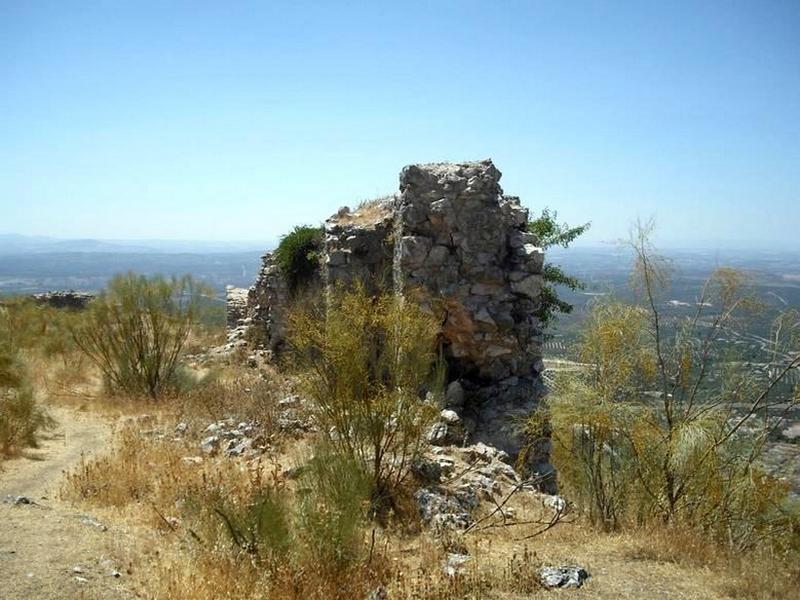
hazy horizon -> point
(244, 245)
(207, 121)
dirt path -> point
(49, 549)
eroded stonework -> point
(451, 239)
(64, 299)
(268, 303)
(463, 242)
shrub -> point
(135, 331)
(21, 417)
(648, 435)
(297, 255)
(335, 493)
(365, 362)
(261, 527)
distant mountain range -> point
(24, 244)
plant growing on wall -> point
(552, 233)
(298, 255)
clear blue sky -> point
(234, 120)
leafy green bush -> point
(298, 254)
(135, 331)
(364, 362)
(21, 417)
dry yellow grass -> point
(369, 212)
(146, 481)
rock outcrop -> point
(453, 241)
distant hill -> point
(90, 271)
(23, 244)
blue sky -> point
(235, 120)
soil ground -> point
(49, 549)
(42, 544)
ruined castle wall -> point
(452, 236)
(359, 246)
(268, 304)
(235, 305)
(464, 242)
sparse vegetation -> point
(135, 331)
(21, 417)
(364, 363)
(644, 437)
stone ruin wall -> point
(268, 304)
(235, 306)
(64, 299)
(460, 239)
(452, 235)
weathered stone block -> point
(531, 286)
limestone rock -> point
(454, 563)
(569, 576)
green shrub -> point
(549, 232)
(21, 417)
(135, 331)
(298, 255)
(262, 527)
(323, 525)
(365, 361)
(335, 496)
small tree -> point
(135, 331)
(21, 417)
(663, 425)
(552, 233)
(365, 362)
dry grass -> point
(749, 575)
(147, 480)
(369, 212)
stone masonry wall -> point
(359, 245)
(268, 305)
(452, 237)
(236, 306)
(462, 241)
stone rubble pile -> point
(233, 439)
(456, 480)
